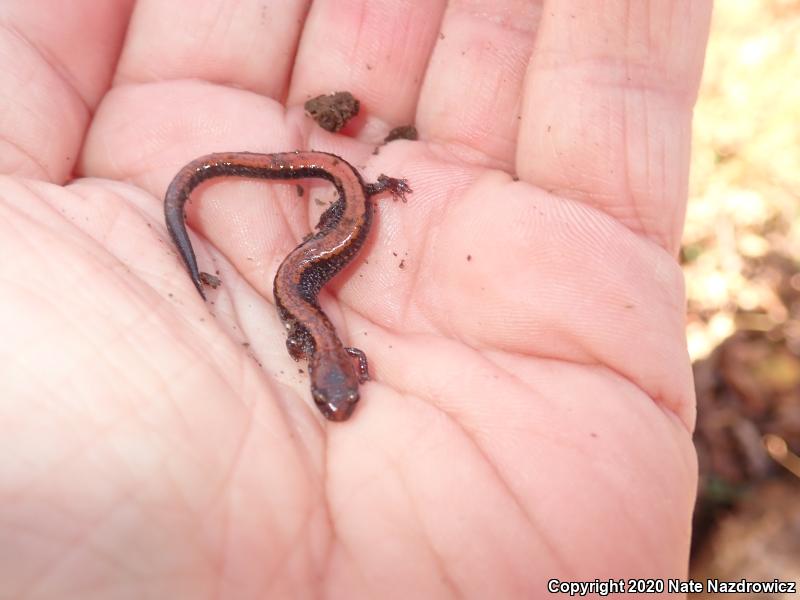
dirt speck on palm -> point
(332, 111)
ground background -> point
(741, 258)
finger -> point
(248, 44)
(376, 50)
(57, 61)
(607, 108)
(470, 99)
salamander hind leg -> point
(398, 188)
(360, 359)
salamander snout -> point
(336, 405)
(334, 384)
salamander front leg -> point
(298, 342)
(362, 369)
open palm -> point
(530, 408)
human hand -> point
(531, 405)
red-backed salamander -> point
(335, 370)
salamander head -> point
(334, 385)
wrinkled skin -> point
(530, 411)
